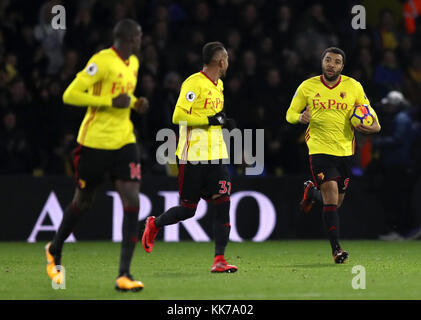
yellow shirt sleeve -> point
(298, 104)
(133, 100)
(189, 94)
(361, 97)
(181, 115)
(76, 93)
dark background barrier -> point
(30, 205)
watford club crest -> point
(321, 176)
(343, 95)
(82, 183)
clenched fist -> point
(121, 101)
(305, 116)
(141, 105)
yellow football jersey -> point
(202, 97)
(329, 130)
(105, 76)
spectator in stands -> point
(285, 28)
(236, 103)
(269, 118)
(413, 79)
(251, 79)
(166, 98)
(405, 51)
(251, 24)
(60, 161)
(150, 60)
(234, 40)
(201, 18)
(267, 57)
(388, 75)
(51, 39)
(260, 36)
(387, 35)
(395, 163)
(363, 71)
(15, 155)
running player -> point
(199, 114)
(107, 144)
(324, 103)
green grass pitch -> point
(272, 270)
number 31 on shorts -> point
(225, 187)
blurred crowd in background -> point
(273, 46)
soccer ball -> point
(362, 115)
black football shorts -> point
(199, 180)
(325, 167)
(92, 166)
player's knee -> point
(220, 199)
(329, 186)
(129, 193)
(329, 192)
(188, 209)
(222, 214)
(82, 200)
(187, 213)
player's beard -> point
(332, 77)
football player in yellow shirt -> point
(107, 144)
(199, 114)
(325, 103)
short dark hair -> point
(210, 49)
(125, 28)
(335, 50)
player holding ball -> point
(326, 103)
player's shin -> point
(130, 237)
(221, 224)
(331, 223)
(71, 217)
